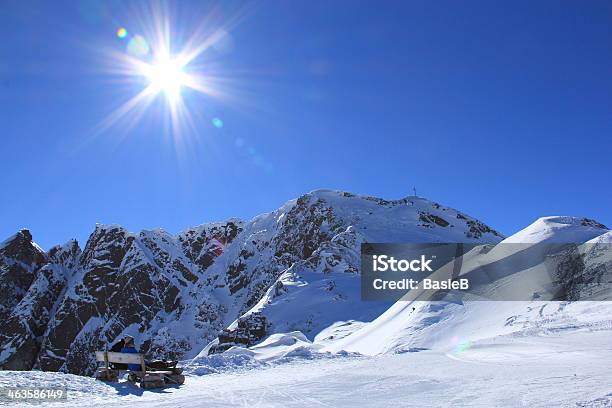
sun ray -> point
(166, 69)
(140, 101)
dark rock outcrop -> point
(248, 330)
(61, 305)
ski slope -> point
(565, 369)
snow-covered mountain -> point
(294, 269)
(443, 325)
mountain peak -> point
(21, 245)
(23, 236)
(559, 229)
(26, 234)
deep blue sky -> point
(500, 109)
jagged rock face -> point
(129, 281)
(587, 222)
(204, 244)
(20, 258)
(62, 305)
(249, 330)
(29, 317)
(585, 271)
(174, 294)
(114, 277)
(272, 246)
(301, 230)
(303, 277)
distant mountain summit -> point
(209, 287)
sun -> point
(159, 60)
(166, 75)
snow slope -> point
(565, 369)
(411, 323)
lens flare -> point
(460, 346)
(218, 123)
(162, 60)
(138, 47)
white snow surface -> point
(411, 323)
(556, 229)
(565, 368)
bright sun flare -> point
(166, 75)
(167, 70)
